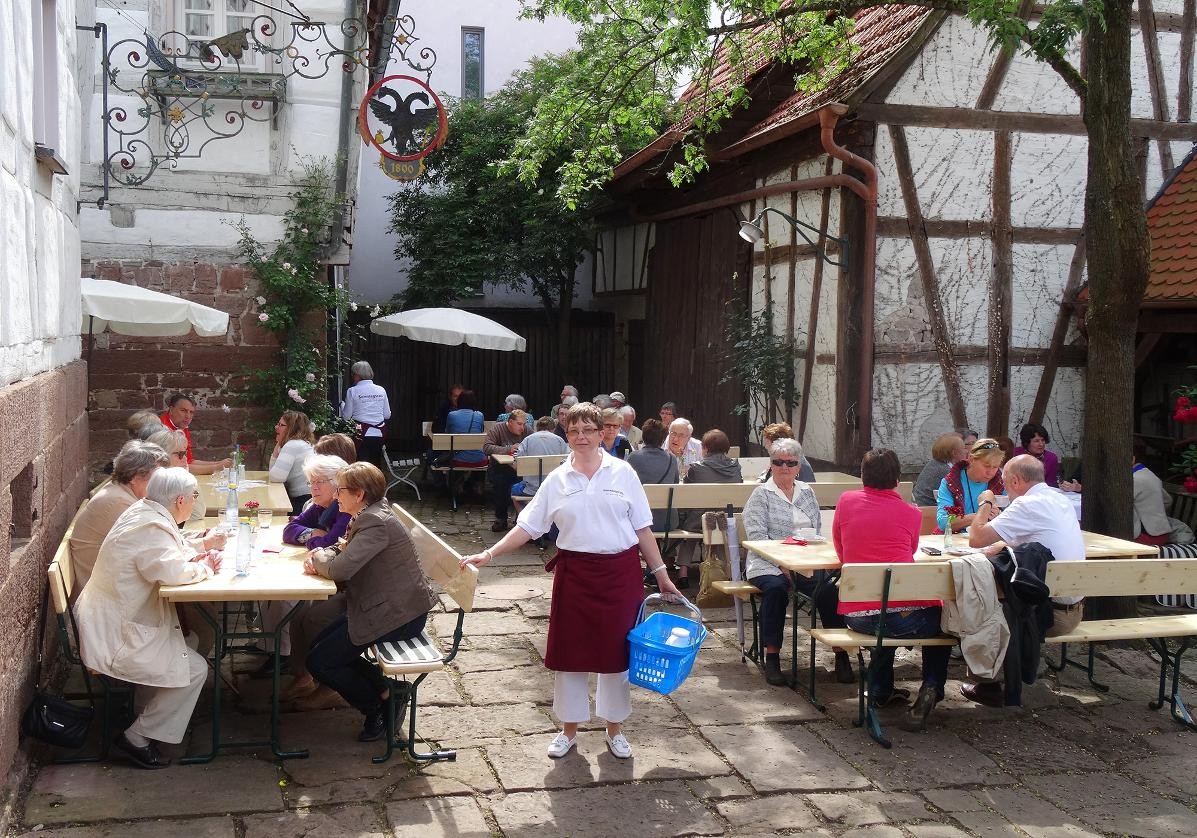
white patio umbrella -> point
(132, 310)
(449, 326)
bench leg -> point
(754, 653)
(867, 711)
(1086, 667)
(431, 756)
(1171, 660)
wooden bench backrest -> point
(1122, 577)
(1095, 577)
(697, 495)
(441, 563)
(753, 467)
(714, 536)
(828, 494)
(426, 429)
(62, 557)
(925, 580)
(734, 452)
(538, 465)
(58, 590)
(457, 442)
(929, 524)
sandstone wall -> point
(135, 373)
(43, 479)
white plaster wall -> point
(1047, 180)
(183, 212)
(508, 43)
(39, 238)
(949, 71)
(1065, 413)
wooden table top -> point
(806, 559)
(270, 496)
(276, 573)
(502, 459)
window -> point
(45, 74)
(203, 20)
(471, 64)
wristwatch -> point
(303, 537)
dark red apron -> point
(595, 600)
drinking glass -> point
(265, 516)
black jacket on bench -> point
(1020, 573)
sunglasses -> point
(786, 463)
(985, 446)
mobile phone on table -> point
(932, 551)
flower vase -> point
(947, 534)
(251, 517)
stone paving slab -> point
(222, 827)
(783, 758)
(348, 822)
(916, 760)
(484, 622)
(636, 810)
(745, 699)
(522, 764)
(1034, 816)
(1111, 803)
(462, 726)
(532, 684)
(780, 811)
(863, 808)
(471, 773)
(1172, 765)
(121, 791)
(488, 660)
(446, 817)
(1010, 747)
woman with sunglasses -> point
(965, 488)
(605, 525)
(775, 510)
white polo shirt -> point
(1046, 516)
(596, 515)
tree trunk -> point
(565, 306)
(1117, 249)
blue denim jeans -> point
(775, 599)
(919, 622)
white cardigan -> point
(126, 630)
(287, 466)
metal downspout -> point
(828, 117)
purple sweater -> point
(315, 516)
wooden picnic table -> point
(276, 573)
(271, 496)
(806, 560)
(502, 459)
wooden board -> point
(276, 573)
(458, 442)
(272, 496)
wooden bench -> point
(678, 496)
(737, 587)
(1106, 577)
(535, 465)
(420, 655)
(454, 443)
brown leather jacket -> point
(384, 585)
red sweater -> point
(877, 526)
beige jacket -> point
(126, 630)
(91, 525)
(976, 616)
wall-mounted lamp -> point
(752, 232)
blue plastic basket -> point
(652, 663)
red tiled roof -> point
(1172, 227)
(878, 35)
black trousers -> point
(502, 478)
(337, 662)
(369, 450)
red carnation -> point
(1191, 485)
(954, 511)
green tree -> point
(627, 45)
(465, 224)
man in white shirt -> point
(367, 404)
(682, 444)
(1038, 513)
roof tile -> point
(1172, 228)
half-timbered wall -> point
(981, 164)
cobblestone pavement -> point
(724, 755)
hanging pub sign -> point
(404, 119)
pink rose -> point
(263, 317)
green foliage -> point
(294, 303)
(762, 362)
(469, 221)
(634, 55)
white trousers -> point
(272, 612)
(165, 711)
(571, 697)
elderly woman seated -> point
(127, 631)
(131, 472)
(387, 597)
(875, 525)
(775, 510)
(971, 486)
(947, 450)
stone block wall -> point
(43, 479)
(136, 373)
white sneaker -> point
(560, 746)
(618, 746)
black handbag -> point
(50, 718)
(55, 721)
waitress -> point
(605, 524)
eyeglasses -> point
(574, 433)
(322, 483)
(786, 463)
(616, 425)
(194, 496)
